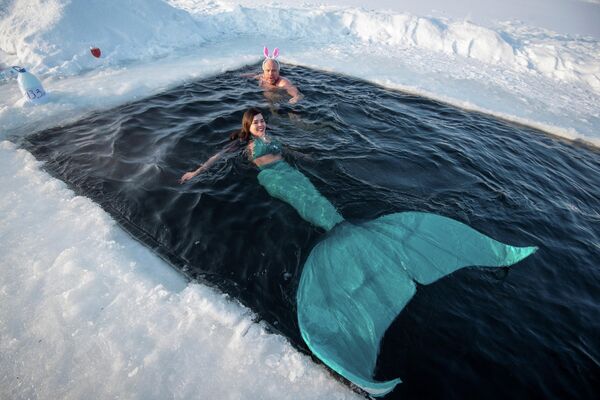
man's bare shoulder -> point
(284, 82)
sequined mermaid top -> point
(263, 147)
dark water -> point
(531, 331)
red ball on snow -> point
(95, 52)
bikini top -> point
(263, 147)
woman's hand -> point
(188, 175)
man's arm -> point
(292, 91)
(251, 75)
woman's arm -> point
(203, 167)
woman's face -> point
(258, 126)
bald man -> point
(271, 80)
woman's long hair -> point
(244, 133)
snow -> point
(87, 311)
(571, 17)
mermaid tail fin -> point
(357, 280)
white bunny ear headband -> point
(272, 56)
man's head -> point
(270, 70)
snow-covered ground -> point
(87, 311)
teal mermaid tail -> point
(357, 280)
(290, 185)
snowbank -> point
(54, 36)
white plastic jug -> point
(31, 87)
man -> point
(271, 80)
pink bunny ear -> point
(266, 52)
(276, 52)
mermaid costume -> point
(358, 279)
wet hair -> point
(244, 133)
(272, 59)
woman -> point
(359, 277)
(253, 128)
(275, 174)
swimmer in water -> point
(261, 148)
(359, 277)
(271, 80)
